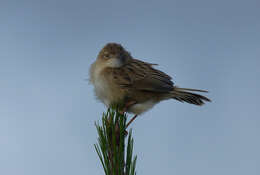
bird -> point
(134, 85)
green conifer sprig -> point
(116, 158)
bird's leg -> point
(125, 108)
(132, 119)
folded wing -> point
(142, 76)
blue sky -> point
(48, 110)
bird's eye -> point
(106, 56)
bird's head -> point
(113, 55)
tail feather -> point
(188, 89)
(183, 95)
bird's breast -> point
(105, 89)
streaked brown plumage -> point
(118, 78)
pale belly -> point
(142, 107)
(108, 94)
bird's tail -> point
(185, 95)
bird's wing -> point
(142, 76)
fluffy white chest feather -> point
(101, 91)
(106, 91)
(100, 85)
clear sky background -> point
(48, 110)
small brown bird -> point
(137, 86)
